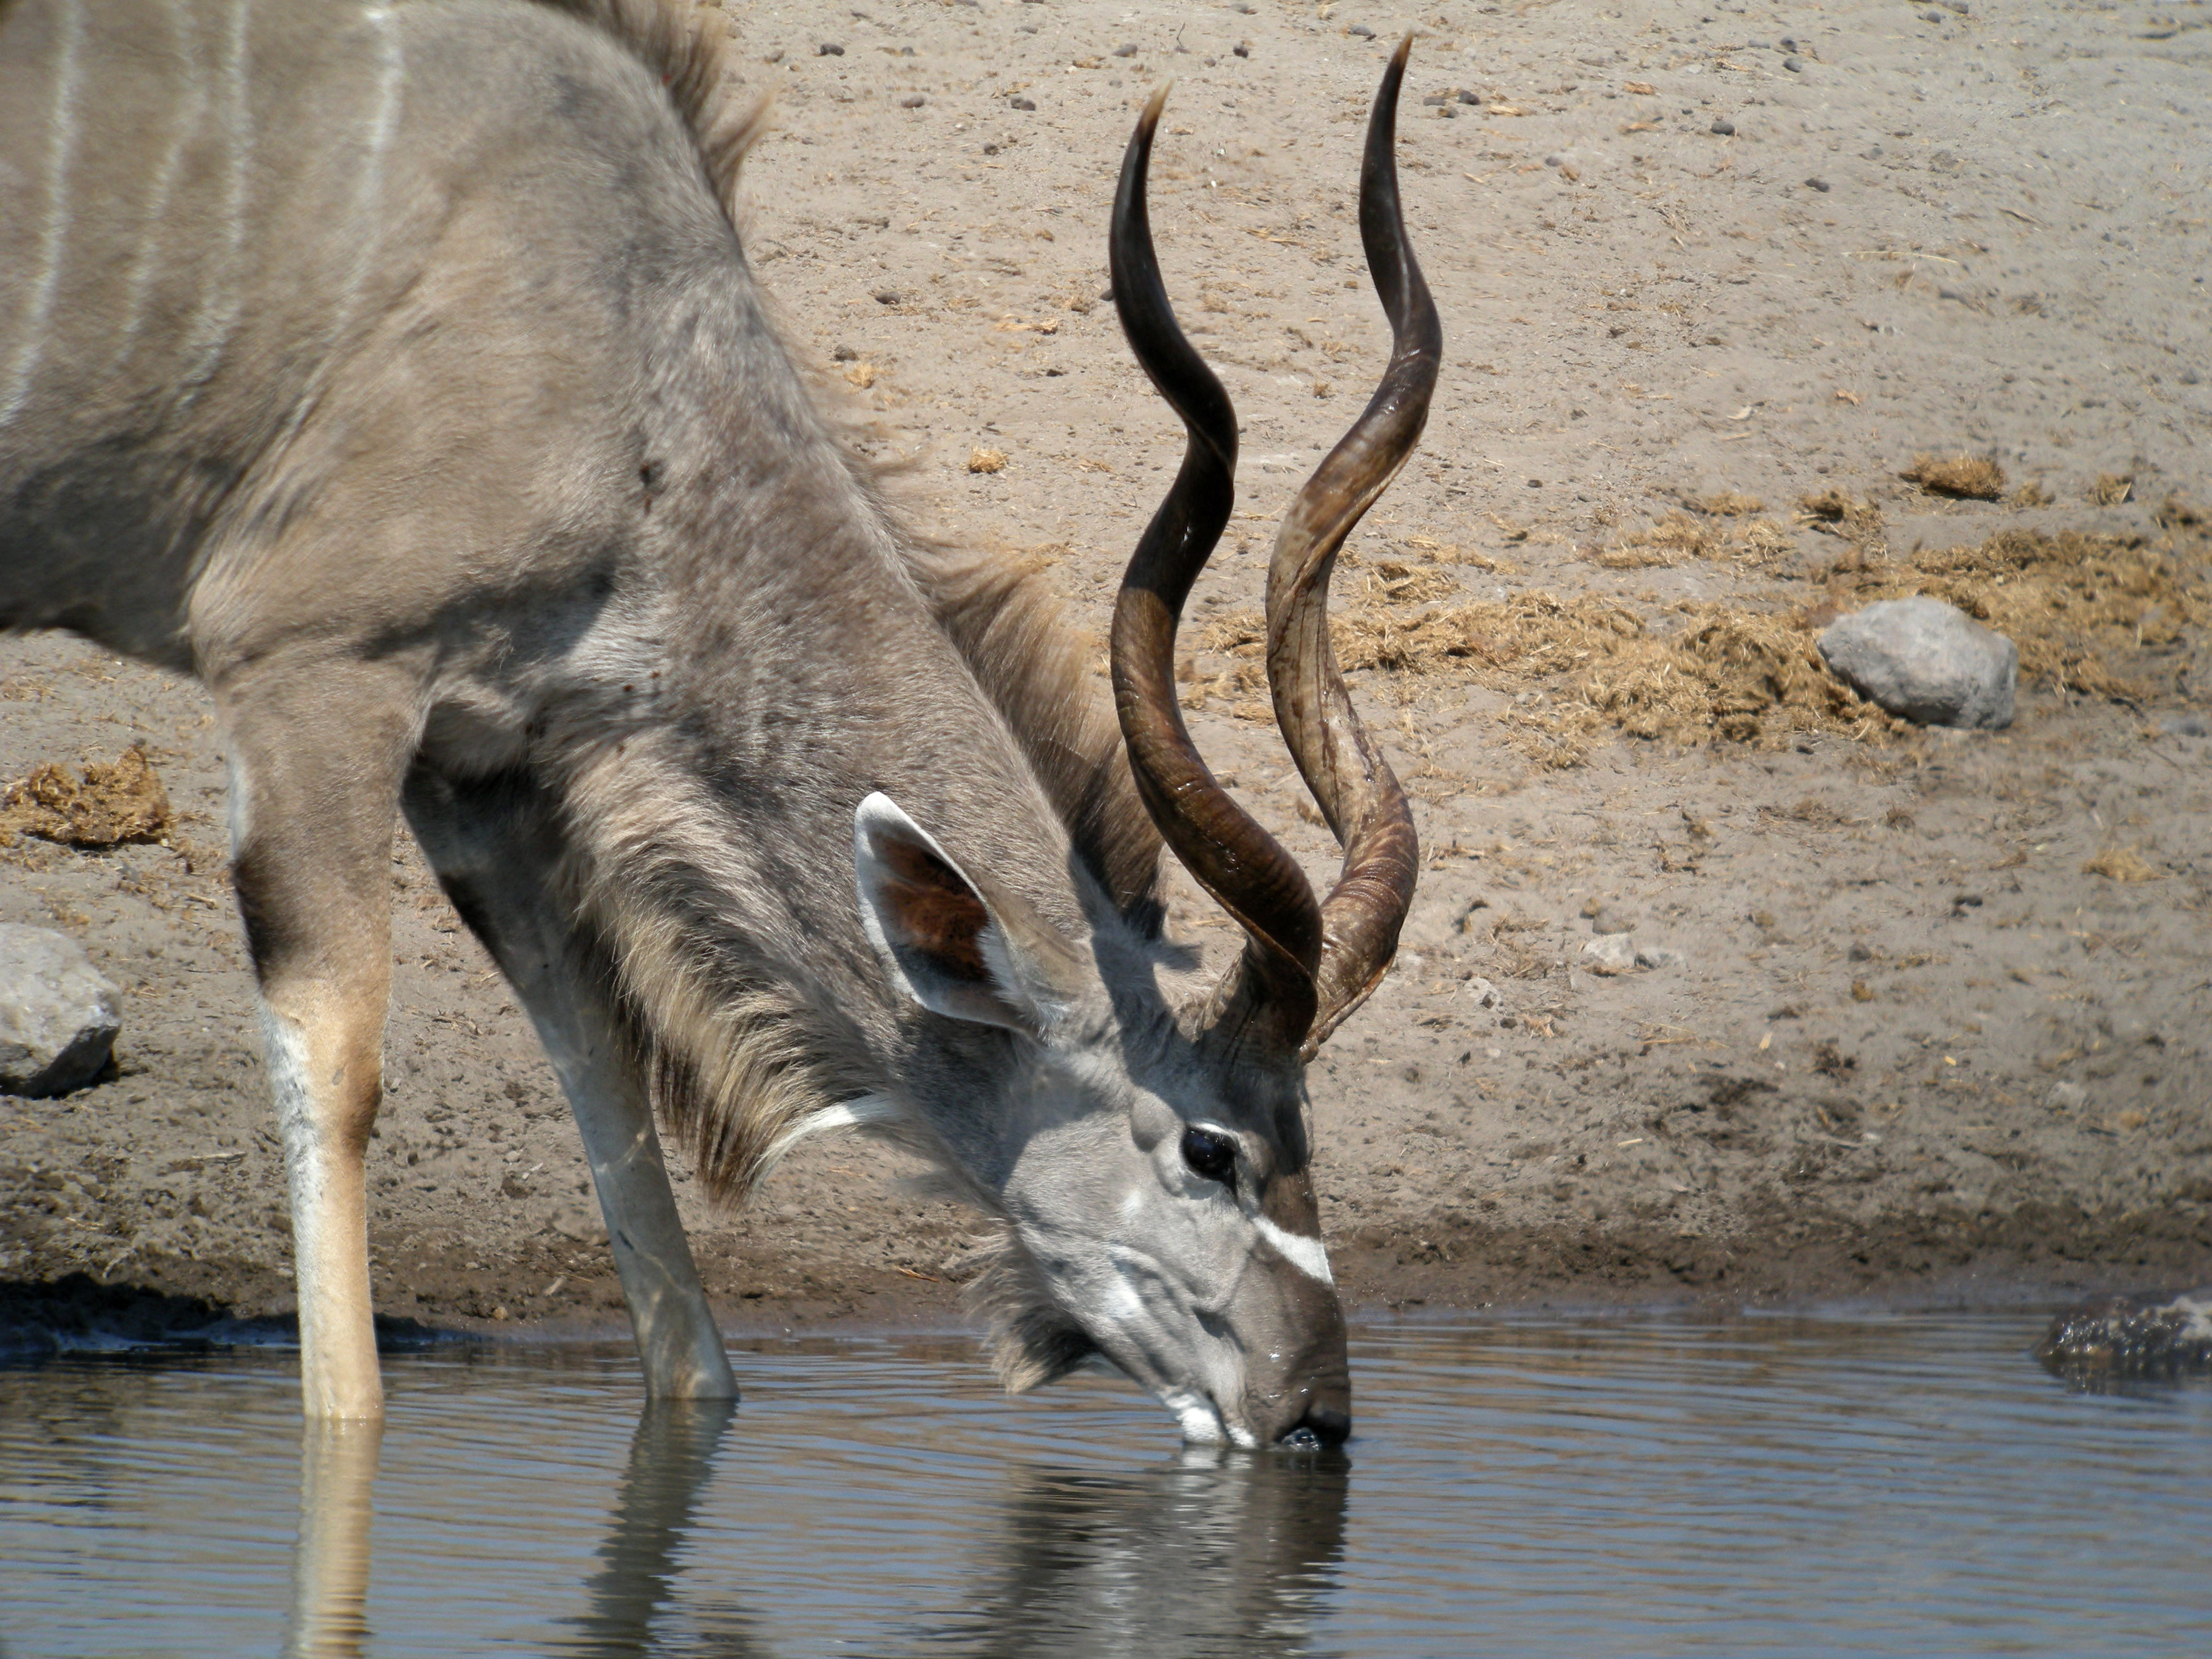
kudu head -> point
(1150, 1151)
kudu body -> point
(395, 369)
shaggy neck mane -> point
(744, 1058)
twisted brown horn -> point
(1357, 791)
(1240, 864)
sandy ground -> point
(1911, 1045)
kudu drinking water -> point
(395, 369)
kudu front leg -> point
(494, 851)
(315, 770)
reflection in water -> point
(329, 1564)
(1883, 1485)
(671, 1457)
(1217, 1552)
(1227, 1552)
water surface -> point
(1860, 1485)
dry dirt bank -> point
(1912, 1042)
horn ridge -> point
(1226, 850)
(1357, 794)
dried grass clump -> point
(2074, 603)
(2085, 611)
(107, 805)
(2112, 487)
(1670, 541)
(1730, 674)
(1728, 504)
(1968, 476)
(2122, 864)
(1678, 536)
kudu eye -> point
(1211, 1155)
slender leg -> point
(315, 769)
(490, 846)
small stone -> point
(1723, 126)
(1926, 660)
(1023, 103)
(886, 296)
(1820, 185)
(1242, 50)
(1467, 97)
(1655, 956)
(1434, 98)
(2067, 1096)
(1127, 49)
(842, 353)
(1362, 30)
(2186, 725)
(1859, 954)
(58, 1013)
(1486, 995)
(2189, 377)
(1446, 113)
(1609, 953)
(1793, 64)
(1931, 15)
(914, 101)
(829, 49)
(2133, 1336)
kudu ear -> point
(991, 959)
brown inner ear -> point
(940, 914)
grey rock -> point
(1127, 49)
(1723, 126)
(887, 296)
(1023, 103)
(914, 101)
(1793, 65)
(2132, 1336)
(58, 1013)
(829, 49)
(1467, 97)
(1658, 955)
(1609, 954)
(1926, 660)
(1820, 185)
(1486, 995)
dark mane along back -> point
(1002, 616)
(1013, 630)
(689, 47)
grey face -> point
(1160, 1211)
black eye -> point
(1212, 1155)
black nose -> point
(1325, 1424)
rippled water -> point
(1894, 1484)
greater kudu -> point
(395, 369)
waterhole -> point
(1862, 1485)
